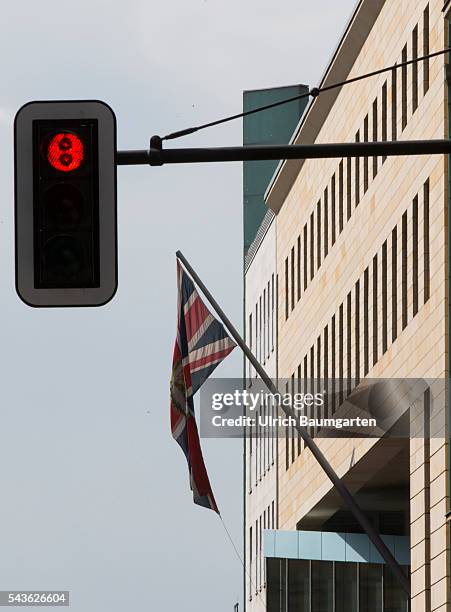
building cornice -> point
(344, 57)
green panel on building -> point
(273, 126)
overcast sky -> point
(94, 491)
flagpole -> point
(342, 489)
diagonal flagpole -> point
(342, 489)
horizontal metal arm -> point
(157, 156)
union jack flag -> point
(201, 344)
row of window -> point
(257, 574)
(262, 444)
(379, 307)
(262, 325)
(346, 187)
(296, 585)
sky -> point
(95, 495)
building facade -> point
(274, 126)
(361, 265)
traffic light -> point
(65, 203)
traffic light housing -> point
(65, 203)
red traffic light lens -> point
(65, 151)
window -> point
(260, 551)
(256, 334)
(357, 174)
(298, 584)
(264, 436)
(312, 246)
(286, 289)
(349, 342)
(394, 598)
(384, 116)
(427, 261)
(312, 382)
(299, 391)
(287, 445)
(332, 374)
(394, 283)
(251, 551)
(394, 104)
(370, 587)
(348, 188)
(340, 354)
(340, 197)
(318, 371)
(299, 267)
(375, 135)
(292, 278)
(326, 222)
(305, 258)
(404, 89)
(250, 345)
(268, 319)
(415, 69)
(404, 269)
(357, 332)
(276, 585)
(346, 596)
(375, 313)
(415, 255)
(256, 556)
(293, 428)
(318, 234)
(260, 328)
(365, 159)
(384, 299)
(272, 312)
(426, 50)
(264, 326)
(366, 361)
(333, 212)
(322, 587)
(326, 371)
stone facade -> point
(361, 255)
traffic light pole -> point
(158, 156)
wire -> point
(314, 92)
(253, 586)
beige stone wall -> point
(420, 348)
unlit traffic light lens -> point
(63, 206)
(65, 151)
(64, 257)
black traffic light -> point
(65, 191)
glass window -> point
(298, 585)
(395, 599)
(370, 587)
(274, 585)
(346, 587)
(322, 586)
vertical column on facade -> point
(436, 496)
(419, 507)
